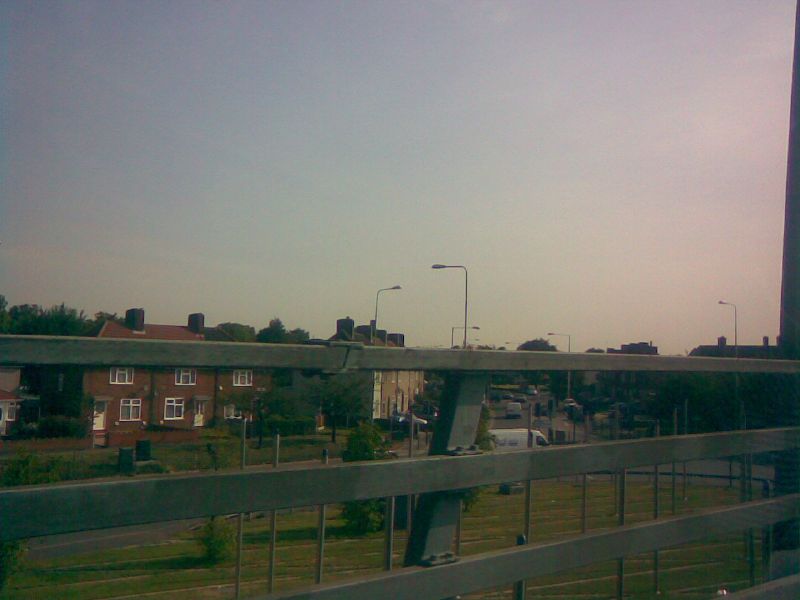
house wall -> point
(399, 390)
(154, 386)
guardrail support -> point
(436, 516)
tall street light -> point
(466, 293)
(375, 321)
(569, 373)
(453, 331)
(739, 404)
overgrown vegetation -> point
(218, 540)
(366, 442)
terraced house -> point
(128, 399)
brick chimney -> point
(134, 319)
(722, 341)
(765, 341)
(344, 328)
(398, 339)
(196, 322)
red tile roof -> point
(6, 395)
(151, 332)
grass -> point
(175, 569)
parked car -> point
(513, 410)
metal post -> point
(584, 494)
(436, 514)
(459, 526)
(519, 586)
(685, 432)
(674, 432)
(321, 530)
(388, 548)
(656, 514)
(528, 483)
(273, 519)
(240, 518)
(621, 522)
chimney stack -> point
(722, 341)
(196, 322)
(134, 319)
(398, 339)
(344, 328)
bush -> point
(364, 516)
(56, 426)
(11, 554)
(29, 469)
(218, 540)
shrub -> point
(218, 540)
(11, 554)
(364, 516)
(28, 469)
(56, 426)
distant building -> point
(392, 391)
(635, 348)
(724, 350)
(10, 398)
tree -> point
(366, 442)
(218, 540)
(297, 336)
(238, 332)
(537, 345)
(274, 333)
(344, 396)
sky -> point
(604, 169)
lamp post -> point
(739, 404)
(375, 322)
(453, 331)
(569, 373)
(466, 293)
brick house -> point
(10, 399)
(127, 398)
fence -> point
(432, 570)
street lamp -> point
(569, 373)
(375, 321)
(453, 330)
(739, 403)
(466, 293)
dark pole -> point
(787, 464)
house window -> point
(243, 377)
(173, 408)
(130, 409)
(231, 412)
(12, 412)
(121, 375)
(185, 376)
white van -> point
(514, 410)
(506, 440)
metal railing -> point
(432, 571)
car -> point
(506, 440)
(508, 396)
(513, 410)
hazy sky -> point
(605, 169)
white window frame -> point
(243, 377)
(120, 375)
(11, 412)
(134, 405)
(177, 406)
(191, 376)
(231, 412)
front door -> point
(199, 413)
(99, 421)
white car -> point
(513, 410)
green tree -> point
(238, 332)
(218, 540)
(343, 397)
(274, 333)
(297, 336)
(366, 442)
